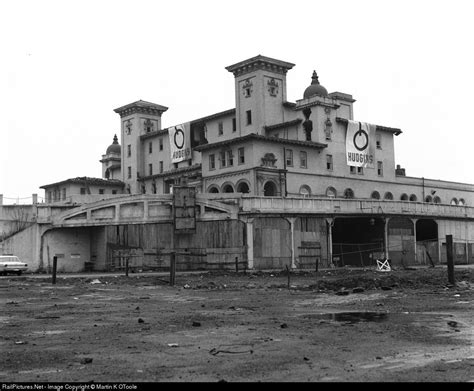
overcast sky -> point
(66, 65)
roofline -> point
(257, 137)
(105, 182)
(395, 131)
(195, 167)
(259, 62)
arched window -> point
(269, 189)
(428, 198)
(213, 189)
(305, 190)
(348, 193)
(331, 192)
(404, 197)
(454, 201)
(388, 196)
(461, 202)
(413, 198)
(437, 200)
(375, 195)
(243, 187)
(227, 188)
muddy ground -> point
(331, 326)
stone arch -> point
(270, 189)
(349, 193)
(404, 197)
(331, 192)
(375, 195)
(413, 198)
(461, 202)
(228, 187)
(243, 186)
(388, 196)
(437, 200)
(213, 189)
(454, 201)
(429, 199)
(305, 190)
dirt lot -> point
(405, 325)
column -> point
(291, 220)
(330, 223)
(414, 239)
(385, 237)
(249, 228)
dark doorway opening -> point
(270, 189)
(357, 241)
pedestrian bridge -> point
(150, 208)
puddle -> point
(352, 317)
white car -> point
(11, 264)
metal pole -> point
(55, 266)
(450, 260)
(172, 268)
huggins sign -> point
(360, 144)
(180, 142)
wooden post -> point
(288, 273)
(55, 266)
(450, 258)
(126, 265)
(236, 264)
(172, 268)
(317, 264)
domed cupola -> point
(315, 88)
(114, 147)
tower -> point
(137, 119)
(111, 167)
(260, 91)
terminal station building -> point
(275, 183)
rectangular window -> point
(212, 162)
(360, 170)
(101, 191)
(129, 150)
(380, 168)
(222, 158)
(64, 193)
(161, 144)
(150, 147)
(161, 167)
(241, 155)
(220, 131)
(249, 117)
(329, 163)
(234, 125)
(230, 158)
(129, 172)
(303, 159)
(114, 191)
(378, 141)
(83, 190)
(289, 157)
(150, 169)
(352, 169)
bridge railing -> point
(352, 206)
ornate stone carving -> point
(247, 88)
(273, 87)
(268, 160)
(307, 124)
(128, 127)
(148, 125)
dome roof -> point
(315, 88)
(114, 147)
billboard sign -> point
(180, 142)
(360, 144)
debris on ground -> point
(86, 360)
(96, 281)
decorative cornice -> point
(154, 134)
(227, 174)
(260, 62)
(179, 171)
(257, 137)
(87, 180)
(284, 124)
(142, 107)
(395, 131)
(313, 103)
(290, 105)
